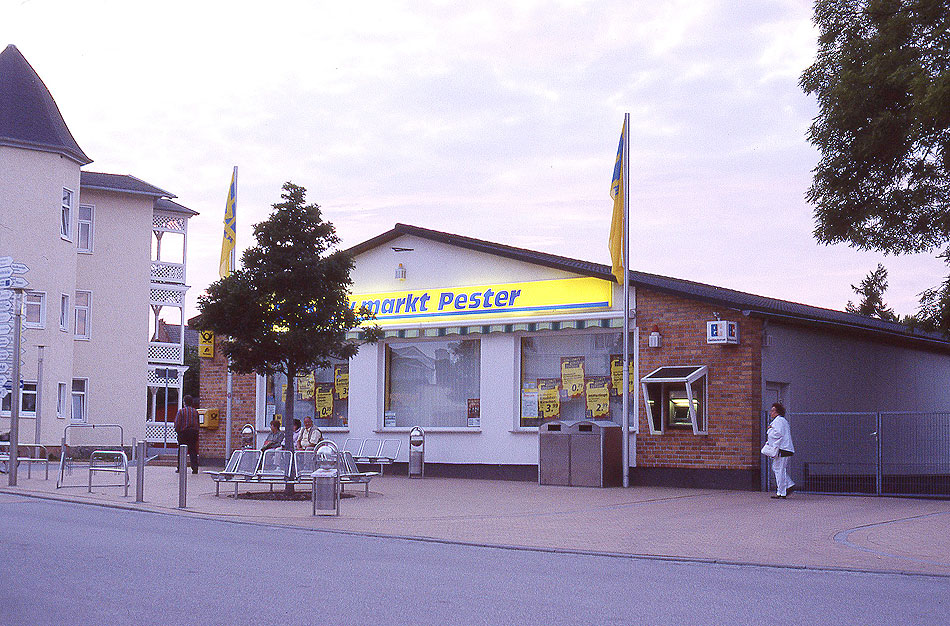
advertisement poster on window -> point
(305, 386)
(323, 400)
(549, 399)
(598, 397)
(529, 401)
(341, 381)
(572, 375)
(616, 374)
(474, 413)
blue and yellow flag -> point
(227, 244)
(616, 222)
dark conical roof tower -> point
(29, 117)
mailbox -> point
(208, 418)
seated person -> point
(275, 438)
(310, 435)
(297, 433)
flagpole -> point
(230, 381)
(625, 422)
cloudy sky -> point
(497, 120)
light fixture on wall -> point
(400, 272)
(656, 339)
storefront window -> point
(675, 397)
(572, 377)
(322, 395)
(433, 384)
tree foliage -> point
(871, 290)
(287, 309)
(883, 129)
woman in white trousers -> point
(780, 436)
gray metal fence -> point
(883, 453)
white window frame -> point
(87, 225)
(83, 398)
(66, 225)
(64, 312)
(700, 424)
(41, 295)
(87, 309)
(62, 400)
(24, 392)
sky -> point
(497, 120)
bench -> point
(352, 475)
(40, 455)
(373, 451)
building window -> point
(80, 388)
(27, 401)
(65, 230)
(85, 229)
(83, 311)
(34, 310)
(322, 395)
(572, 376)
(675, 397)
(62, 401)
(64, 312)
(433, 384)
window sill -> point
(432, 429)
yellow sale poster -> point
(305, 386)
(549, 398)
(572, 375)
(598, 397)
(616, 374)
(323, 400)
(341, 381)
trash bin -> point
(248, 437)
(326, 490)
(417, 452)
(596, 455)
(554, 453)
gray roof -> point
(747, 303)
(29, 117)
(121, 182)
(165, 204)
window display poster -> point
(549, 398)
(474, 413)
(598, 397)
(616, 374)
(305, 386)
(529, 401)
(389, 419)
(572, 375)
(341, 380)
(323, 400)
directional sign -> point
(5, 328)
(6, 260)
(5, 355)
(5, 316)
(5, 340)
(4, 367)
(14, 282)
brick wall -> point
(733, 384)
(214, 396)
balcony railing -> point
(160, 352)
(163, 272)
(167, 296)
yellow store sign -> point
(485, 302)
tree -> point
(287, 309)
(883, 129)
(871, 290)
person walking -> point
(186, 425)
(780, 438)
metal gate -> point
(883, 453)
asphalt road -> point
(66, 563)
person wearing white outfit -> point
(780, 436)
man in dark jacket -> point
(186, 425)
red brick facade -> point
(734, 385)
(214, 387)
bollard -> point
(182, 476)
(140, 471)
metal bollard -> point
(182, 476)
(140, 471)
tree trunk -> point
(289, 414)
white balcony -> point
(162, 295)
(162, 272)
(166, 353)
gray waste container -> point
(554, 453)
(596, 454)
(326, 490)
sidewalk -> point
(838, 532)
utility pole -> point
(16, 391)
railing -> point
(169, 296)
(160, 432)
(160, 352)
(168, 272)
(155, 379)
(168, 222)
